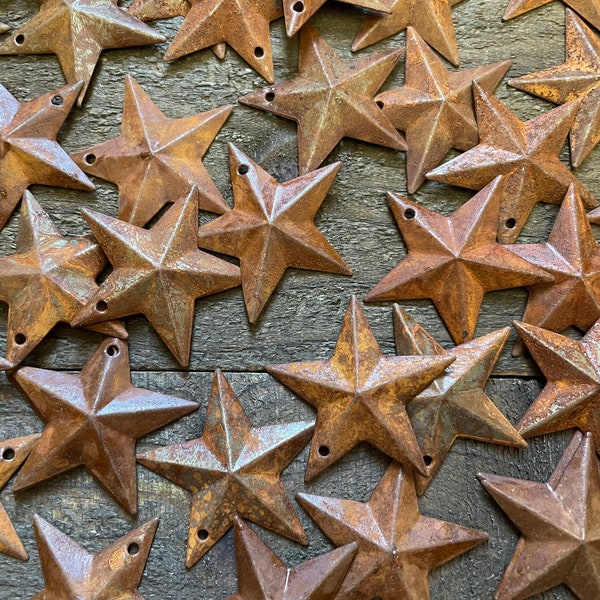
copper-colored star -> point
(455, 404)
(158, 273)
(271, 228)
(397, 546)
(360, 395)
(559, 523)
(12, 455)
(331, 99)
(156, 158)
(233, 469)
(431, 18)
(93, 420)
(72, 572)
(588, 9)
(77, 32)
(435, 107)
(526, 153)
(454, 260)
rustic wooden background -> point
(301, 321)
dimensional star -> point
(455, 404)
(454, 260)
(271, 228)
(12, 454)
(331, 99)
(93, 420)
(72, 572)
(77, 32)
(29, 152)
(262, 575)
(233, 470)
(588, 9)
(397, 546)
(559, 523)
(158, 273)
(526, 153)
(47, 280)
(360, 395)
(156, 158)
(435, 107)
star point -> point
(588, 9)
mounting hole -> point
(410, 213)
(465, 334)
(298, 7)
(112, 350)
(510, 223)
(202, 535)
(243, 169)
(101, 306)
(133, 549)
(57, 100)
(323, 450)
(19, 39)
(8, 454)
(259, 52)
(270, 96)
(90, 159)
(380, 104)
(428, 460)
(20, 339)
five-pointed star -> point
(559, 523)
(454, 260)
(12, 454)
(455, 404)
(158, 273)
(525, 153)
(93, 420)
(233, 469)
(360, 395)
(588, 9)
(271, 228)
(72, 572)
(331, 99)
(77, 32)
(397, 546)
(435, 107)
(156, 158)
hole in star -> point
(410, 213)
(133, 549)
(380, 104)
(323, 451)
(101, 306)
(112, 350)
(270, 96)
(202, 535)
(243, 169)
(510, 223)
(19, 39)
(259, 52)
(8, 454)
(465, 334)
(57, 100)
(90, 159)
(298, 7)
(428, 460)
(20, 339)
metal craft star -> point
(588, 9)
(435, 107)
(360, 395)
(156, 158)
(331, 99)
(232, 470)
(455, 404)
(454, 260)
(158, 273)
(559, 523)
(525, 153)
(93, 420)
(271, 228)
(397, 546)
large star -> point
(331, 99)
(271, 228)
(156, 158)
(233, 470)
(588, 9)
(559, 523)
(455, 404)
(525, 153)
(360, 395)
(454, 260)
(435, 107)
(93, 420)
(397, 546)
(158, 273)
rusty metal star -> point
(158, 273)
(12, 455)
(232, 470)
(454, 260)
(455, 404)
(77, 32)
(93, 420)
(72, 572)
(271, 228)
(331, 99)
(525, 153)
(397, 546)
(559, 523)
(588, 9)
(360, 395)
(156, 158)
(435, 107)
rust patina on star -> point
(560, 526)
(93, 420)
(232, 470)
(588, 9)
(361, 395)
(331, 99)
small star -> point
(588, 9)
